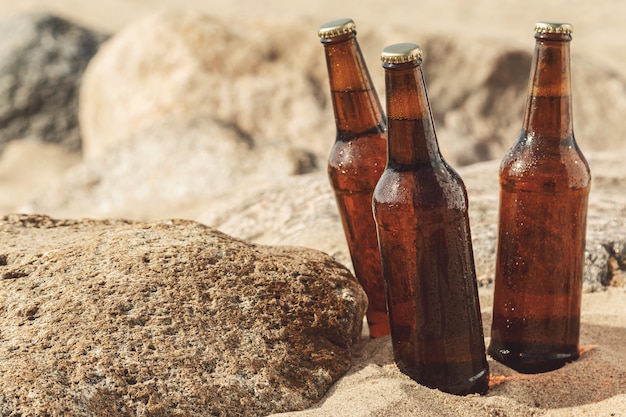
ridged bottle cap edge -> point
(554, 27)
(401, 53)
(336, 27)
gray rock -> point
(166, 318)
(42, 58)
(606, 222)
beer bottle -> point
(357, 159)
(544, 187)
(420, 207)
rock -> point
(42, 58)
(298, 210)
(188, 64)
(606, 224)
(162, 169)
(166, 318)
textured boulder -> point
(42, 58)
(168, 318)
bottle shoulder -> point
(366, 151)
(354, 166)
(560, 163)
(425, 188)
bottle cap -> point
(401, 53)
(336, 28)
(551, 27)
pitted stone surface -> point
(167, 318)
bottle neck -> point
(412, 142)
(356, 106)
(548, 113)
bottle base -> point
(476, 384)
(530, 358)
(378, 324)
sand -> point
(595, 385)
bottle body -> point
(539, 258)
(356, 161)
(429, 269)
(544, 182)
(354, 168)
(420, 207)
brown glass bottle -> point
(544, 182)
(357, 159)
(420, 206)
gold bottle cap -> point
(552, 27)
(401, 53)
(336, 28)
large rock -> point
(185, 63)
(166, 319)
(42, 58)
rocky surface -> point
(166, 318)
(42, 58)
